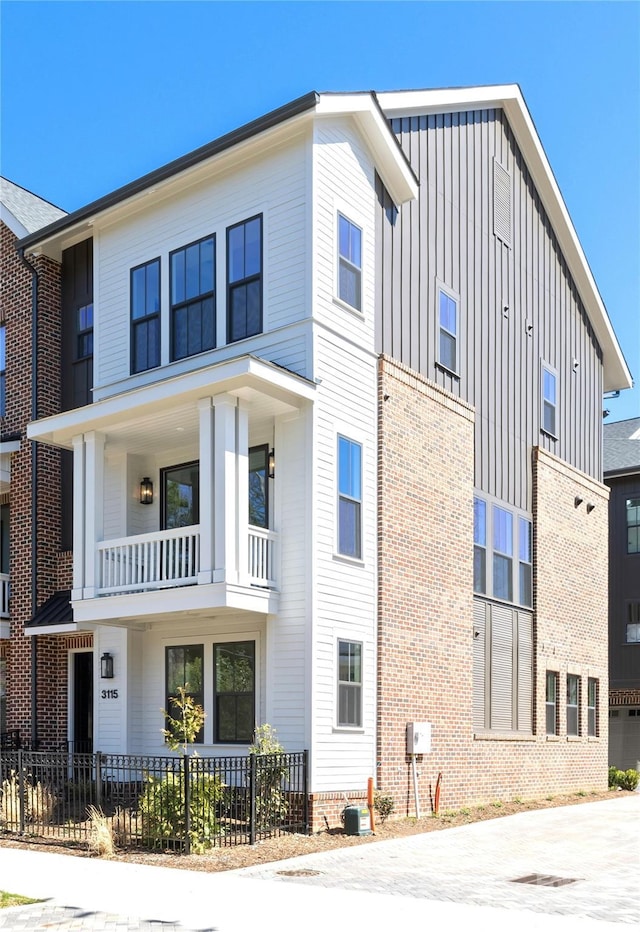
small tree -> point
(184, 728)
(272, 804)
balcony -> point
(168, 559)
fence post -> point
(21, 801)
(252, 798)
(187, 806)
(305, 789)
(99, 778)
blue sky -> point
(95, 94)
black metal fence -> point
(10, 740)
(166, 803)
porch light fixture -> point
(106, 666)
(271, 466)
(146, 491)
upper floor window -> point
(3, 365)
(502, 553)
(180, 496)
(349, 263)
(549, 401)
(244, 278)
(349, 498)
(448, 317)
(633, 623)
(193, 276)
(145, 316)
(633, 525)
(349, 684)
(259, 486)
(84, 330)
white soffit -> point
(508, 97)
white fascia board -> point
(394, 169)
(509, 98)
(71, 627)
(229, 376)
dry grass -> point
(101, 840)
(40, 801)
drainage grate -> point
(299, 873)
(545, 880)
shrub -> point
(383, 804)
(272, 804)
(163, 811)
(625, 779)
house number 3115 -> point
(109, 693)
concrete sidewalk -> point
(454, 877)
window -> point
(349, 263)
(3, 374)
(479, 545)
(573, 704)
(184, 668)
(244, 277)
(592, 707)
(448, 310)
(180, 496)
(633, 525)
(234, 690)
(84, 331)
(259, 486)
(633, 623)
(551, 702)
(349, 498)
(193, 276)
(4, 539)
(145, 316)
(498, 535)
(349, 684)
(549, 401)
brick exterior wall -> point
(426, 469)
(51, 659)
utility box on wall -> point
(419, 738)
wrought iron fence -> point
(176, 803)
(10, 740)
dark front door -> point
(82, 737)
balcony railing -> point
(4, 595)
(161, 560)
(166, 559)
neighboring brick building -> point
(30, 479)
(326, 459)
(622, 475)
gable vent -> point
(501, 203)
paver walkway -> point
(452, 879)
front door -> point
(82, 703)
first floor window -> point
(549, 401)
(145, 316)
(448, 351)
(234, 691)
(184, 669)
(349, 684)
(244, 279)
(551, 703)
(633, 623)
(502, 668)
(350, 263)
(573, 704)
(592, 707)
(633, 525)
(349, 498)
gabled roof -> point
(621, 446)
(24, 212)
(508, 97)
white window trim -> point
(516, 514)
(455, 296)
(347, 215)
(352, 437)
(545, 366)
(337, 726)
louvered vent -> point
(501, 203)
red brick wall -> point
(426, 470)
(16, 312)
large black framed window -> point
(244, 278)
(184, 669)
(259, 486)
(234, 691)
(180, 495)
(193, 300)
(145, 316)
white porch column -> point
(207, 485)
(225, 489)
(242, 492)
(94, 501)
(78, 516)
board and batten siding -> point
(518, 302)
(275, 185)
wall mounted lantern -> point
(146, 491)
(271, 466)
(106, 666)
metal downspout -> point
(34, 495)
